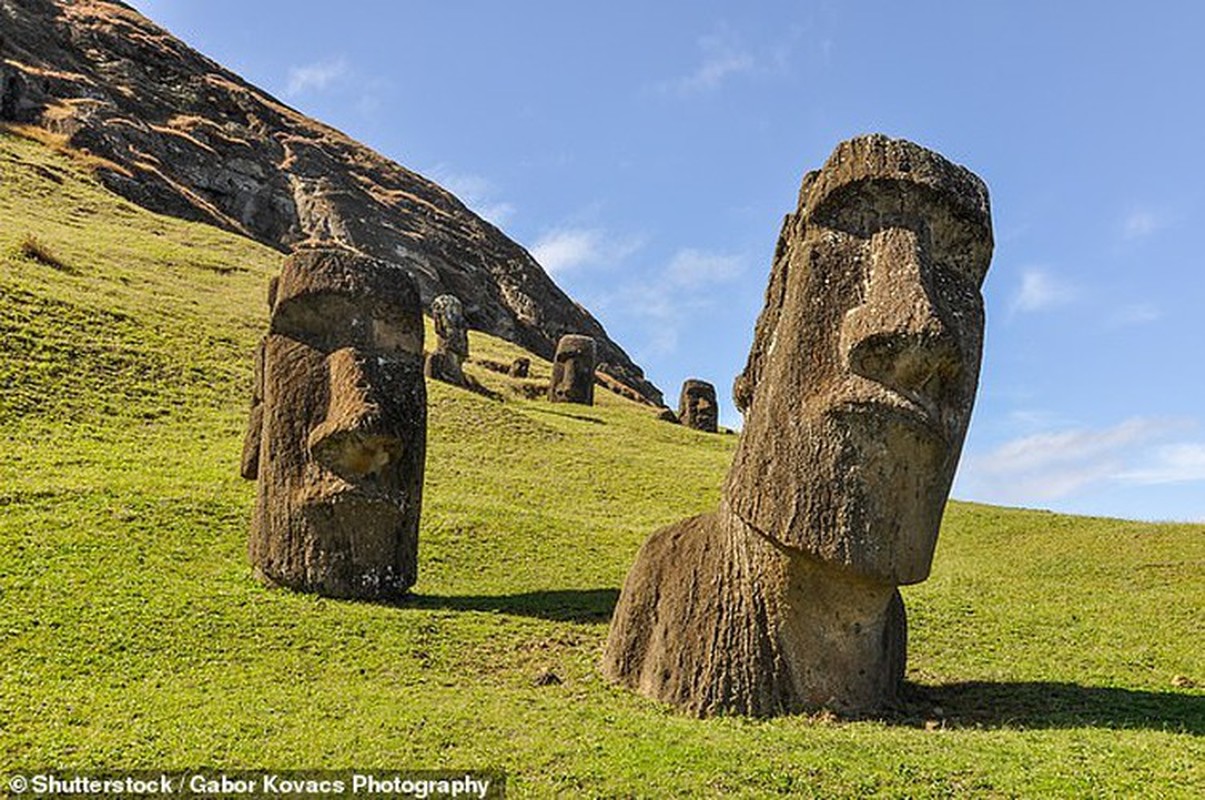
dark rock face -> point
(857, 395)
(446, 363)
(697, 406)
(338, 428)
(573, 371)
(188, 138)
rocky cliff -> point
(178, 134)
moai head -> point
(337, 436)
(519, 367)
(451, 333)
(573, 371)
(865, 361)
(697, 406)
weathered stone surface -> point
(446, 363)
(519, 367)
(857, 396)
(189, 138)
(573, 371)
(697, 406)
(337, 432)
(451, 332)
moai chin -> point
(573, 371)
(338, 428)
(857, 395)
(446, 363)
(697, 406)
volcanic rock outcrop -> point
(178, 134)
(858, 392)
(338, 428)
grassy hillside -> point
(1050, 655)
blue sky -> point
(646, 153)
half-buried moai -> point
(519, 367)
(573, 371)
(446, 363)
(857, 392)
(338, 428)
(697, 406)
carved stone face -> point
(864, 373)
(451, 333)
(573, 371)
(697, 407)
(338, 439)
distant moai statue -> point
(446, 363)
(573, 371)
(697, 406)
(338, 428)
(857, 392)
(519, 367)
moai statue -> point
(573, 371)
(697, 407)
(338, 428)
(519, 367)
(859, 388)
(451, 341)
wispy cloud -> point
(1173, 463)
(1041, 291)
(315, 77)
(563, 249)
(1142, 222)
(1055, 464)
(477, 192)
(1136, 314)
(685, 286)
(723, 56)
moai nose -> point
(897, 336)
(354, 440)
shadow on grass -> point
(562, 605)
(1042, 704)
(578, 417)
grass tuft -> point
(34, 249)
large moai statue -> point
(573, 371)
(338, 428)
(446, 363)
(857, 392)
(697, 406)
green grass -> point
(133, 636)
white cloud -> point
(1136, 314)
(564, 249)
(1041, 291)
(1173, 463)
(1141, 222)
(685, 287)
(1051, 465)
(316, 76)
(476, 192)
(691, 267)
(723, 57)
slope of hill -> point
(178, 134)
(1049, 655)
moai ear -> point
(249, 468)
